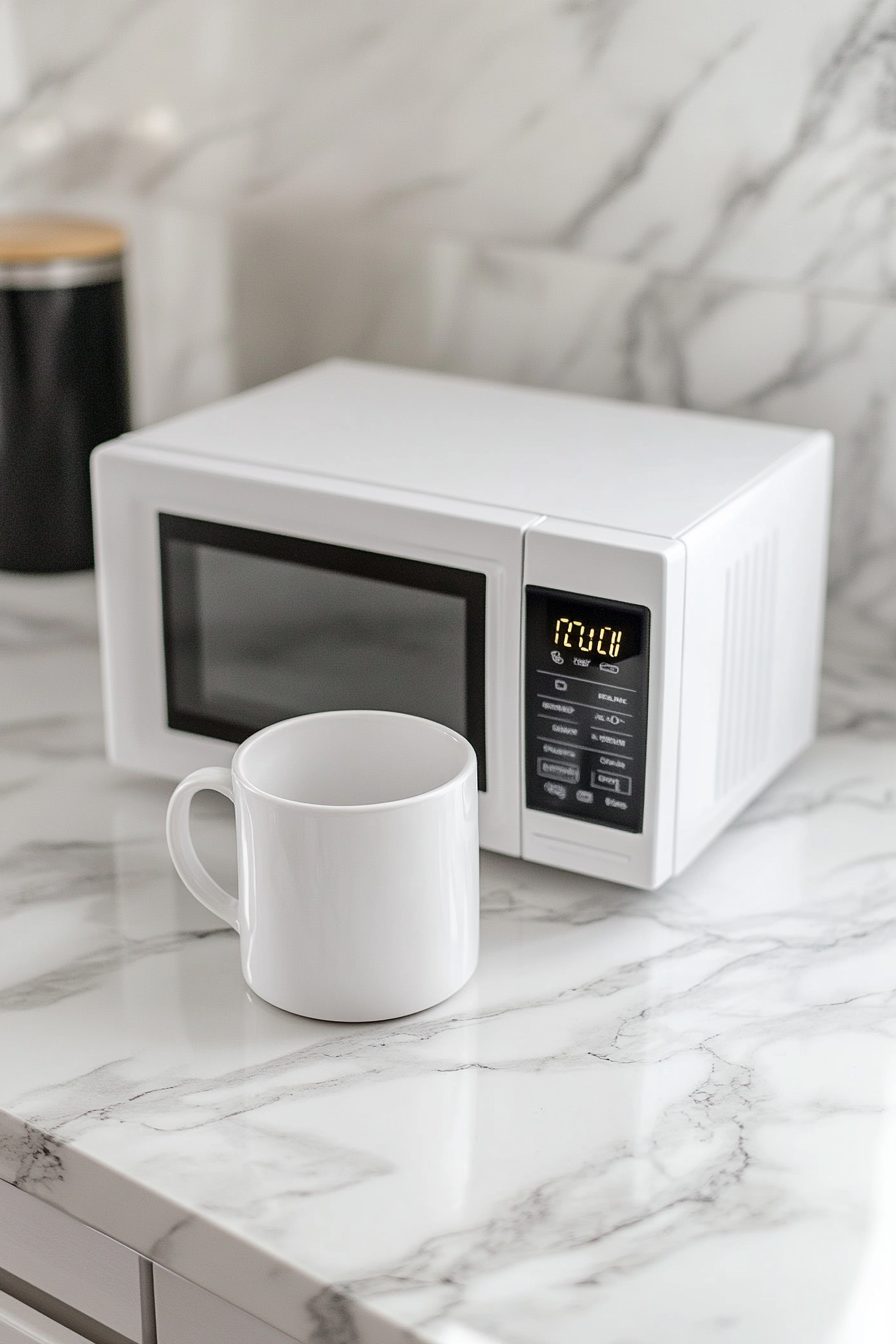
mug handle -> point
(190, 869)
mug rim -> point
(469, 764)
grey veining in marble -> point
(560, 123)
(650, 1117)
(750, 142)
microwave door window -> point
(253, 638)
(279, 639)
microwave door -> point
(260, 627)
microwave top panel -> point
(638, 468)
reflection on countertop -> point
(651, 1117)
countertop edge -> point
(208, 1255)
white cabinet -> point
(186, 1314)
(23, 1325)
(64, 1283)
(78, 1267)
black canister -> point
(63, 384)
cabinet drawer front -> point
(23, 1325)
(186, 1314)
(83, 1268)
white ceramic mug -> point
(358, 862)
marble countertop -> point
(651, 1118)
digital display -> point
(570, 634)
(592, 634)
(576, 635)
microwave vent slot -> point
(749, 630)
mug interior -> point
(352, 758)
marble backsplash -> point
(690, 204)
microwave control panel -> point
(586, 707)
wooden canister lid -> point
(35, 239)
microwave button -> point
(565, 729)
(557, 770)
(584, 796)
(556, 790)
(557, 707)
(554, 749)
(613, 763)
(611, 783)
(609, 740)
(614, 720)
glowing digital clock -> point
(587, 638)
(586, 632)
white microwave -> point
(620, 606)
